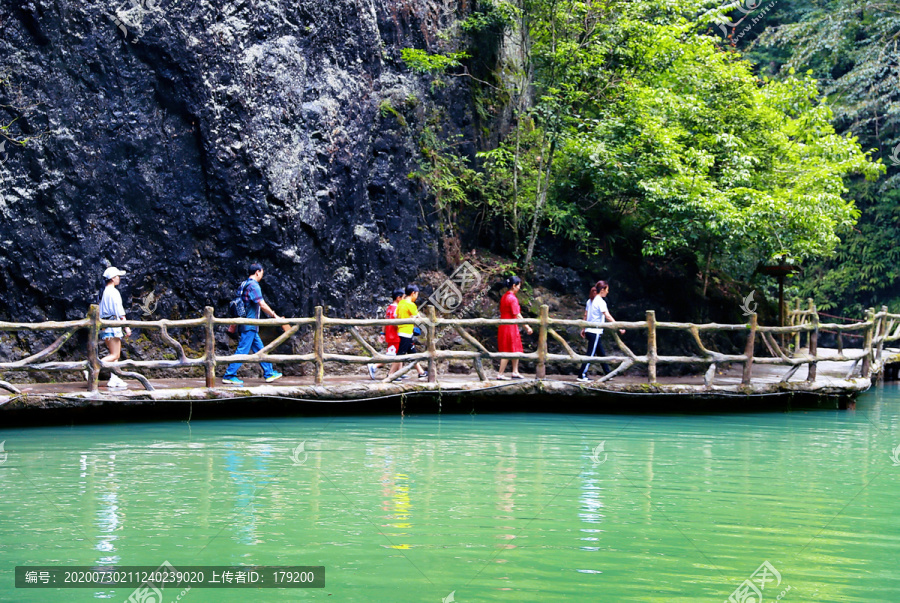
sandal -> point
(517, 376)
(501, 377)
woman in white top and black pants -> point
(595, 311)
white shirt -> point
(111, 307)
(596, 312)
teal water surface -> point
(472, 508)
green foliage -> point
(709, 159)
(386, 109)
(501, 166)
(659, 129)
(851, 47)
(445, 174)
(632, 120)
(422, 61)
(865, 271)
(490, 16)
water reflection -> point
(109, 519)
(477, 503)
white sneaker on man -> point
(116, 383)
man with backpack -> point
(252, 300)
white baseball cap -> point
(112, 272)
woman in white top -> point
(111, 308)
(596, 311)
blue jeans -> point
(250, 343)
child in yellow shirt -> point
(406, 308)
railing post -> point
(797, 320)
(92, 350)
(208, 314)
(319, 346)
(431, 344)
(882, 333)
(651, 346)
(867, 343)
(748, 350)
(813, 338)
(541, 371)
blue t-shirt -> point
(251, 295)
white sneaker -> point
(584, 379)
(116, 383)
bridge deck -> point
(184, 398)
(775, 374)
(830, 374)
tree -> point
(851, 46)
(639, 114)
(681, 137)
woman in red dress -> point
(508, 338)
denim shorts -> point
(111, 333)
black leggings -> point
(594, 346)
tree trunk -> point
(706, 272)
(543, 187)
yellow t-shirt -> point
(406, 309)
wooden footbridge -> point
(730, 366)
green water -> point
(489, 507)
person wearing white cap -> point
(111, 308)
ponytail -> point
(597, 288)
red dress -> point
(508, 338)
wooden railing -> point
(876, 330)
(34, 361)
(872, 333)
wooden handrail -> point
(878, 329)
(46, 326)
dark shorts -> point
(406, 346)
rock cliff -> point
(181, 140)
